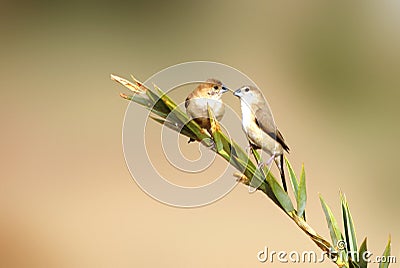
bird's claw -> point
(261, 165)
(213, 145)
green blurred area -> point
(330, 71)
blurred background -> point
(330, 71)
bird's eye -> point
(247, 89)
(215, 87)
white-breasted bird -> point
(259, 126)
(206, 94)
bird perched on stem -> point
(259, 126)
(206, 94)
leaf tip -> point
(124, 96)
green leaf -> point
(350, 233)
(224, 154)
(215, 130)
(353, 264)
(138, 99)
(255, 154)
(239, 166)
(184, 130)
(333, 226)
(363, 248)
(258, 161)
(235, 150)
(386, 255)
(280, 194)
(158, 103)
(302, 194)
(152, 96)
(335, 233)
(250, 168)
(293, 179)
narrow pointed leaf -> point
(226, 144)
(335, 233)
(280, 194)
(224, 154)
(215, 130)
(147, 103)
(235, 150)
(350, 233)
(333, 226)
(236, 163)
(302, 194)
(184, 130)
(353, 264)
(249, 167)
(167, 100)
(258, 159)
(255, 154)
(293, 179)
(238, 150)
(257, 177)
(363, 248)
(153, 96)
(138, 99)
(386, 255)
(157, 103)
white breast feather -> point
(257, 136)
(200, 105)
(247, 116)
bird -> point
(207, 94)
(260, 128)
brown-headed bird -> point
(206, 94)
(259, 126)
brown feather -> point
(265, 122)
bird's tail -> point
(282, 172)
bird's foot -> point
(269, 161)
(266, 166)
(209, 143)
(213, 145)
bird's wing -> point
(265, 121)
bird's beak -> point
(237, 93)
(224, 89)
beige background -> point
(330, 72)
